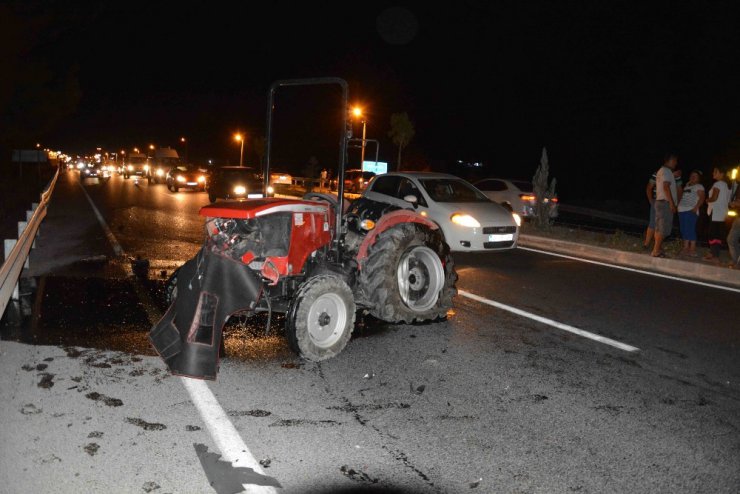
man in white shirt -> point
(666, 200)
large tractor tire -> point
(409, 275)
(321, 318)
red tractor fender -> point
(388, 221)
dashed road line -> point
(550, 322)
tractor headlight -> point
(181, 179)
(464, 220)
(240, 190)
(367, 224)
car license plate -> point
(501, 237)
(192, 183)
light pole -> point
(358, 113)
(185, 141)
(240, 138)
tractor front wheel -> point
(321, 318)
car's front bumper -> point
(481, 239)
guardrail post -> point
(9, 244)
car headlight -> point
(517, 219)
(130, 168)
(181, 179)
(270, 189)
(464, 220)
(160, 172)
(202, 179)
(146, 168)
(240, 189)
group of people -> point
(668, 195)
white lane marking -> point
(223, 432)
(550, 322)
(108, 233)
(634, 270)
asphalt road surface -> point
(550, 375)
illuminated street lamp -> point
(185, 141)
(136, 150)
(240, 138)
(357, 111)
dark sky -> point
(607, 87)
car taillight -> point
(527, 197)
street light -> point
(357, 111)
(185, 141)
(240, 138)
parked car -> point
(516, 195)
(186, 177)
(280, 178)
(470, 221)
(234, 182)
(356, 180)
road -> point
(549, 375)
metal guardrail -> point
(17, 251)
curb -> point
(676, 267)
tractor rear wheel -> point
(321, 318)
(409, 275)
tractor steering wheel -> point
(319, 196)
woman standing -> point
(718, 204)
(688, 212)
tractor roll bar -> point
(346, 132)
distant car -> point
(470, 222)
(136, 164)
(186, 177)
(516, 195)
(234, 182)
(356, 180)
(95, 170)
(281, 178)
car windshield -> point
(245, 174)
(522, 185)
(136, 160)
(186, 168)
(452, 190)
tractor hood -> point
(254, 208)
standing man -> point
(666, 200)
(650, 193)
(733, 238)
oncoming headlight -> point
(202, 179)
(464, 220)
(181, 179)
(160, 172)
(270, 189)
(130, 168)
(240, 190)
(146, 168)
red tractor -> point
(316, 259)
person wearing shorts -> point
(666, 198)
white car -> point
(516, 195)
(470, 222)
(281, 178)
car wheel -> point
(321, 319)
(409, 275)
(175, 188)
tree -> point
(311, 172)
(402, 131)
(543, 192)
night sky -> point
(607, 87)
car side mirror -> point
(412, 199)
